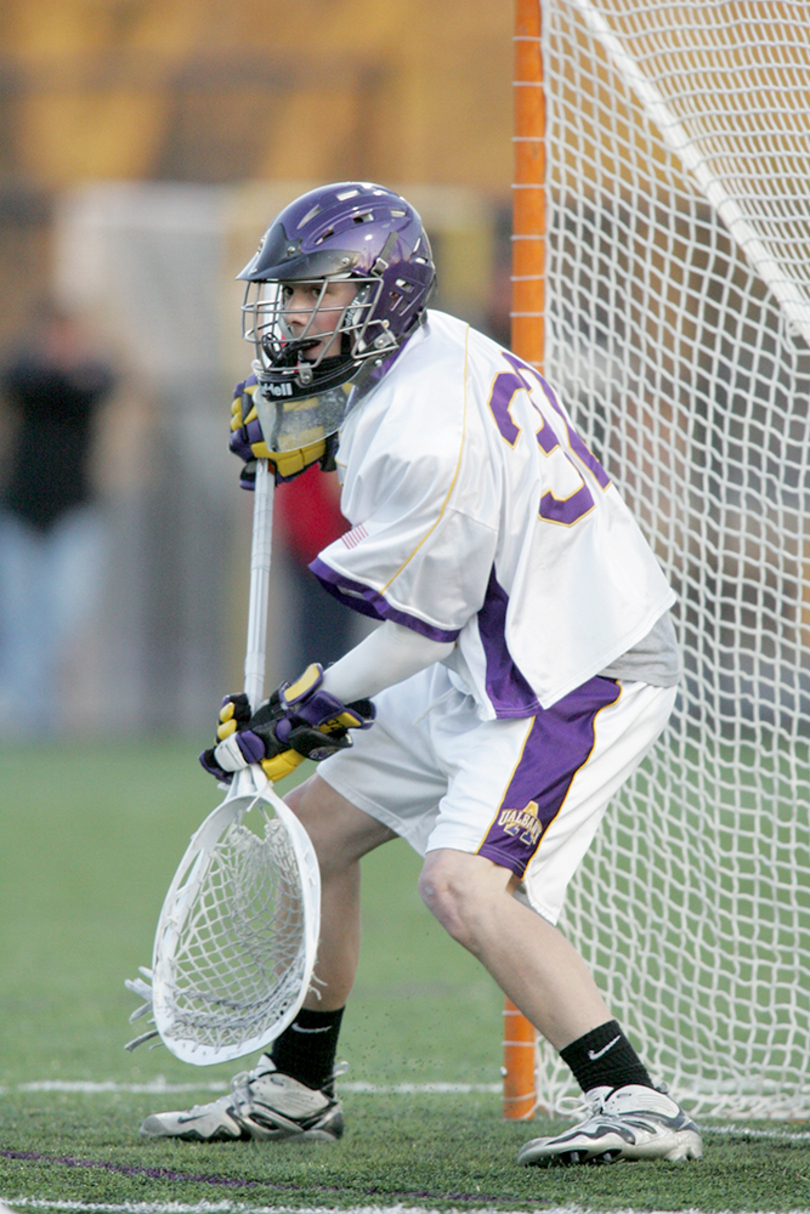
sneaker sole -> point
(155, 1132)
(687, 1146)
(329, 1131)
(152, 1128)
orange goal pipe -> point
(528, 188)
(527, 317)
(519, 1061)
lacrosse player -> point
(524, 663)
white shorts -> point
(527, 794)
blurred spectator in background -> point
(51, 527)
(309, 518)
(497, 322)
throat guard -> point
(299, 431)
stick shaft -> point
(260, 556)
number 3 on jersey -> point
(565, 510)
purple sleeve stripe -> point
(370, 602)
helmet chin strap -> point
(325, 365)
(383, 258)
(306, 370)
(290, 355)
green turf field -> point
(90, 841)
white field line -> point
(160, 1087)
(233, 1207)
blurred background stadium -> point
(144, 148)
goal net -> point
(677, 326)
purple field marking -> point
(234, 1182)
(124, 1169)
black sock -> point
(306, 1050)
(605, 1058)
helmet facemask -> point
(308, 336)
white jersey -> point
(479, 516)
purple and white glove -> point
(247, 440)
(299, 721)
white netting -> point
(240, 958)
(678, 328)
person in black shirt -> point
(51, 529)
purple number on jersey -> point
(555, 510)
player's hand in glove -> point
(300, 721)
(234, 716)
(247, 440)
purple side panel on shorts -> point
(370, 602)
(559, 742)
(508, 691)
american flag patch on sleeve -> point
(352, 538)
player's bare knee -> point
(465, 892)
(446, 892)
(308, 801)
(311, 802)
(340, 833)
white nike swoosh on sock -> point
(594, 1054)
(297, 1029)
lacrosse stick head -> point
(236, 940)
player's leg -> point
(523, 805)
(531, 961)
(547, 979)
(290, 1093)
(341, 835)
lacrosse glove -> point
(247, 440)
(299, 721)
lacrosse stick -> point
(236, 940)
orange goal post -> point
(528, 189)
(527, 316)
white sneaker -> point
(262, 1104)
(632, 1122)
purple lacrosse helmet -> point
(353, 232)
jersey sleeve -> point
(417, 559)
